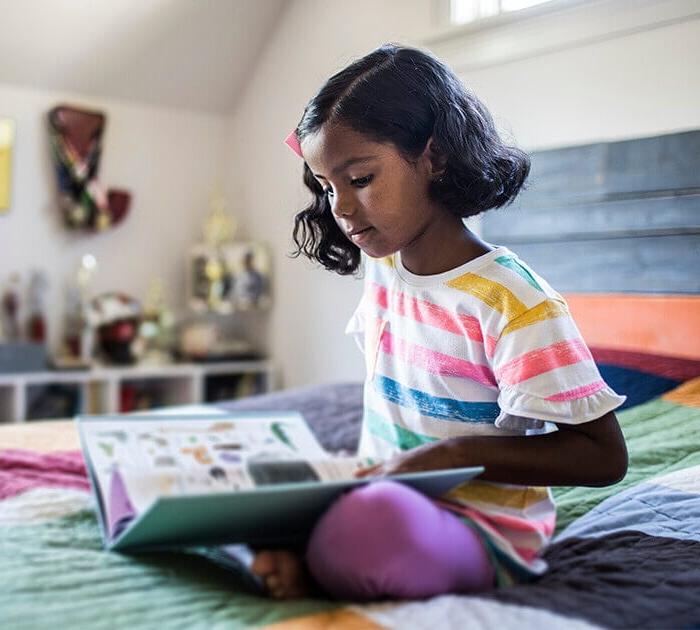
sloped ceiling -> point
(192, 54)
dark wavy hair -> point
(404, 96)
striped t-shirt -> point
(488, 348)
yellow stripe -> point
(517, 498)
(491, 293)
(549, 309)
(387, 260)
(687, 394)
(341, 619)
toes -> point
(274, 567)
(275, 586)
(292, 579)
(283, 573)
(264, 563)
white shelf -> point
(100, 387)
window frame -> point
(547, 28)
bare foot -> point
(283, 572)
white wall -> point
(315, 39)
(168, 159)
(641, 83)
(637, 84)
(632, 86)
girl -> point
(472, 358)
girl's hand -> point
(370, 471)
(426, 457)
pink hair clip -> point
(293, 143)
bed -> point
(623, 556)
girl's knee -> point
(361, 517)
(364, 538)
(387, 539)
(378, 507)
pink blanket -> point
(22, 470)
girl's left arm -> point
(588, 454)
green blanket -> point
(661, 436)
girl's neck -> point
(442, 246)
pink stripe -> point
(427, 313)
(543, 526)
(543, 360)
(490, 346)
(527, 554)
(22, 470)
(488, 526)
(579, 392)
(436, 362)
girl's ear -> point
(436, 160)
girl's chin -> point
(371, 245)
(375, 252)
(366, 241)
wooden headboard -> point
(612, 216)
(615, 226)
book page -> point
(144, 489)
(162, 455)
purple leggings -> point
(388, 540)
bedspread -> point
(629, 556)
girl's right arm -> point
(588, 454)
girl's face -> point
(378, 199)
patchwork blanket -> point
(628, 557)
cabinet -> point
(36, 395)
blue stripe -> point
(508, 261)
(434, 406)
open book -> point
(164, 481)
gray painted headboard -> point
(613, 216)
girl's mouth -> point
(361, 235)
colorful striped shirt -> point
(488, 348)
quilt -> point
(626, 556)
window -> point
(463, 11)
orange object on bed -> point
(656, 324)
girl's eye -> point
(361, 182)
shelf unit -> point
(100, 390)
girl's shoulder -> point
(505, 288)
(498, 280)
(515, 275)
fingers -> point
(368, 472)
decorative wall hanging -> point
(7, 138)
(76, 143)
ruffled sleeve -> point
(357, 324)
(546, 373)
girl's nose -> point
(342, 207)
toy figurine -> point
(36, 323)
(78, 335)
(156, 333)
(10, 309)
